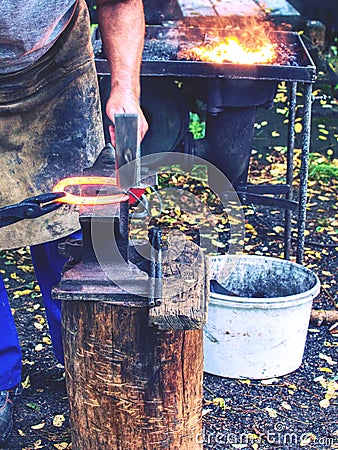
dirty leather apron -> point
(50, 128)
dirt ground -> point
(294, 411)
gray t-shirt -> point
(28, 29)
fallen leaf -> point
(307, 439)
(275, 134)
(327, 273)
(63, 446)
(18, 294)
(38, 426)
(219, 401)
(325, 403)
(272, 412)
(26, 383)
(248, 382)
(328, 359)
(325, 369)
(33, 406)
(286, 405)
(269, 381)
(58, 420)
(298, 127)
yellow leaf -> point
(38, 426)
(298, 127)
(40, 319)
(325, 369)
(286, 405)
(177, 210)
(63, 446)
(252, 436)
(272, 412)
(26, 268)
(327, 273)
(26, 383)
(328, 359)
(245, 382)
(275, 134)
(18, 294)
(307, 438)
(219, 401)
(58, 420)
(269, 381)
(21, 433)
(46, 340)
(325, 403)
(38, 347)
(323, 138)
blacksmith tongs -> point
(30, 208)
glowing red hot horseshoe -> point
(74, 199)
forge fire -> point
(252, 43)
(231, 49)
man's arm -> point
(121, 24)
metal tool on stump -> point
(133, 369)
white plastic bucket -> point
(264, 337)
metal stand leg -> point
(304, 171)
(289, 166)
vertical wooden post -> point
(131, 386)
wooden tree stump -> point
(131, 386)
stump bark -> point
(131, 386)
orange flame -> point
(73, 199)
(245, 42)
(231, 50)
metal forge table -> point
(160, 60)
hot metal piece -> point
(100, 199)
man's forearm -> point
(121, 26)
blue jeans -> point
(48, 264)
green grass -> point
(321, 168)
(196, 126)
